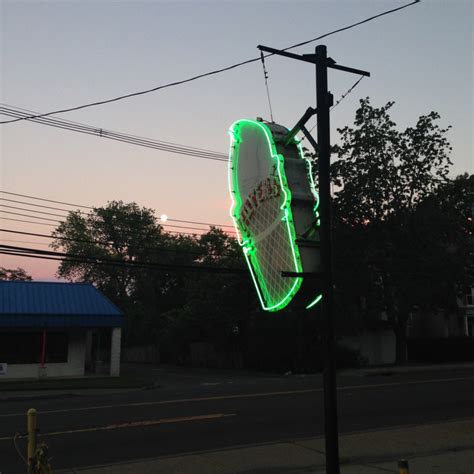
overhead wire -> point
(55, 225)
(97, 259)
(146, 142)
(150, 143)
(95, 127)
(352, 25)
(26, 222)
(162, 224)
(46, 200)
(207, 74)
(25, 242)
(39, 205)
(91, 208)
(117, 136)
(32, 210)
(196, 267)
(30, 217)
(99, 242)
(60, 222)
(343, 96)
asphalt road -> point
(208, 410)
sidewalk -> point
(443, 448)
(403, 369)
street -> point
(208, 410)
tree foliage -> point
(169, 305)
(117, 232)
(17, 274)
(400, 239)
(382, 172)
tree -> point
(17, 274)
(215, 307)
(118, 232)
(382, 178)
(164, 304)
(455, 205)
(382, 172)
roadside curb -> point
(25, 395)
(49, 396)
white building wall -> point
(74, 367)
(76, 359)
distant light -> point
(163, 218)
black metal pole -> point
(324, 100)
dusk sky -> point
(58, 54)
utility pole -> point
(324, 101)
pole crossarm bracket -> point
(310, 138)
(300, 124)
(313, 59)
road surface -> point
(207, 410)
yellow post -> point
(31, 424)
(403, 466)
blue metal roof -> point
(52, 304)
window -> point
(25, 347)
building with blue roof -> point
(57, 329)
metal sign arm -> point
(300, 124)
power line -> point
(68, 239)
(32, 210)
(150, 143)
(145, 142)
(343, 96)
(117, 136)
(46, 200)
(55, 225)
(104, 243)
(38, 205)
(99, 260)
(165, 226)
(92, 208)
(25, 242)
(27, 222)
(210, 73)
(353, 25)
(60, 222)
(29, 216)
(193, 268)
(25, 251)
(95, 127)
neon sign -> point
(262, 208)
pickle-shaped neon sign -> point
(262, 214)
